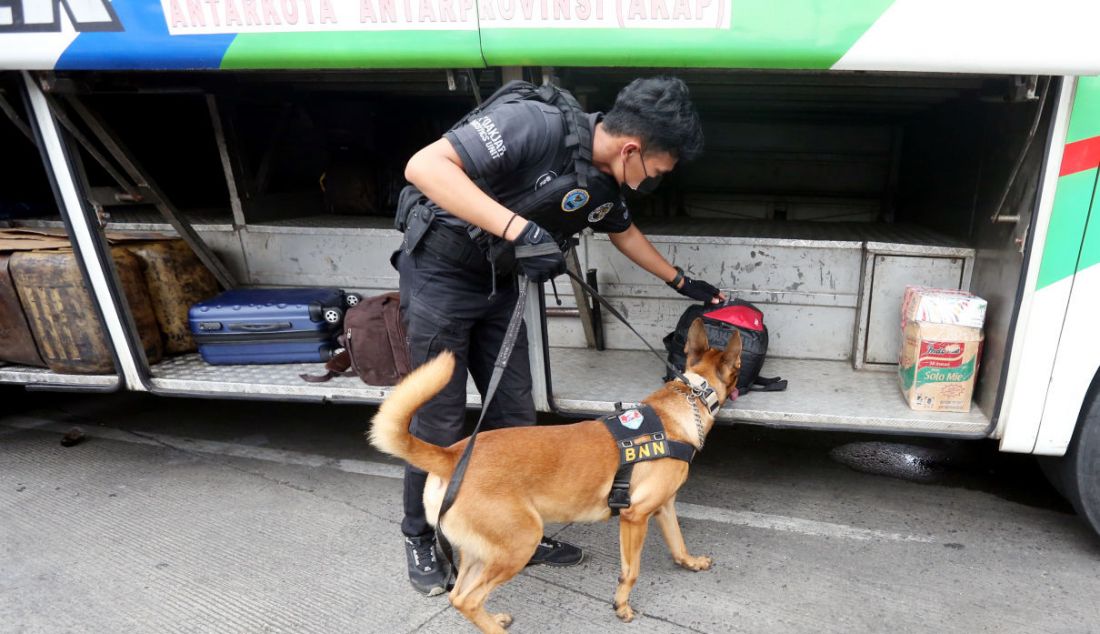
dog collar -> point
(703, 391)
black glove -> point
(695, 289)
(538, 254)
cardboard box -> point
(941, 348)
(942, 306)
(938, 365)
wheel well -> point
(1086, 405)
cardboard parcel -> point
(941, 348)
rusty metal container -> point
(176, 279)
(63, 318)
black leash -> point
(455, 483)
(611, 309)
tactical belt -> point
(455, 248)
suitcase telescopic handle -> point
(281, 325)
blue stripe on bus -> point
(144, 44)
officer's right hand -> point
(538, 254)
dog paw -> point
(696, 563)
(503, 619)
(624, 612)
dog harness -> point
(640, 436)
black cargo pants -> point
(447, 307)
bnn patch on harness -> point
(640, 436)
(637, 448)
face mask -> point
(648, 184)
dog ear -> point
(697, 343)
(729, 369)
(731, 356)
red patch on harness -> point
(631, 419)
(740, 316)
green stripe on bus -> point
(1085, 120)
(1090, 248)
(355, 49)
(809, 34)
(1074, 196)
(1067, 225)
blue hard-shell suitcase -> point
(269, 325)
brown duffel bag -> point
(372, 344)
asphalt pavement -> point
(177, 515)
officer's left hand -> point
(538, 264)
(700, 290)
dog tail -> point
(389, 430)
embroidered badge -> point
(487, 130)
(574, 200)
(599, 212)
(631, 419)
(544, 179)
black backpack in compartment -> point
(720, 321)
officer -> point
(520, 172)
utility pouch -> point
(408, 197)
(417, 224)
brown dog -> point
(520, 477)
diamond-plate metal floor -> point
(41, 376)
(189, 373)
(820, 394)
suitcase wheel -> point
(333, 315)
(352, 299)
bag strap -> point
(336, 366)
(765, 384)
(392, 322)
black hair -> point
(659, 111)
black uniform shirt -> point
(518, 148)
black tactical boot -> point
(426, 572)
(554, 553)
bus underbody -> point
(819, 198)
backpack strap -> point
(765, 384)
(578, 136)
(515, 90)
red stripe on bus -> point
(1080, 156)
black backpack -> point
(720, 322)
(577, 171)
(578, 136)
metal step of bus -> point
(821, 394)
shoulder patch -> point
(486, 128)
(599, 212)
(574, 200)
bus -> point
(853, 149)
